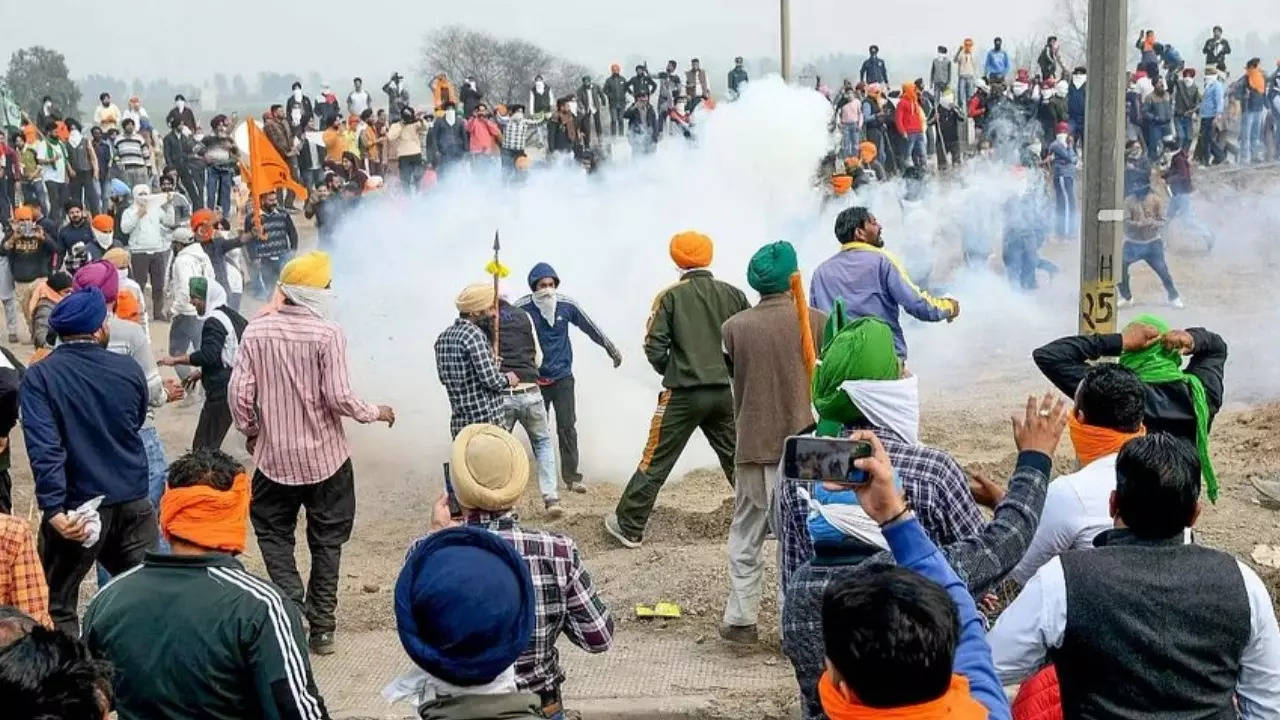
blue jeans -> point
(850, 136)
(1152, 253)
(269, 275)
(1251, 149)
(1185, 125)
(218, 189)
(915, 149)
(1155, 139)
(529, 409)
(157, 474)
(964, 89)
(1064, 194)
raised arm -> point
(1066, 360)
(1208, 362)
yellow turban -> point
(691, 249)
(312, 270)
(475, 298)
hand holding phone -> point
(455, 508)
(882, 500)
(819, 459)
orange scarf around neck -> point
(955, 704)
(1257, 80)
(206, 516)
(1092, 442)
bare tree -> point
(1069, 21)
(503, 68)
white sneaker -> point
(1177, 304)
(611, 527)
(1124, 303)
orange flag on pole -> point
(266, 170)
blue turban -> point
(464, 605)
(80, 313)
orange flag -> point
(266, 170)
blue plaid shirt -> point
(470, 375)
(933, 482)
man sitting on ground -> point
(847, 541)
(860, 383)
(1178, 401)
(904, 642)
(1146, 624)
(465, 652)
(240, 640)
(1108, 414)
(489, 471)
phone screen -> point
(455, 508)
(816, 459)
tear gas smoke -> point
(747, 180)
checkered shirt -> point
(22, 583)
(566, 601)
(980, 561)
(934, 484)
(470, 375)
(516, 133)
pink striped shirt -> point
(290, 389)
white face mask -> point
(1035, 148)
(1188, 81)
(545, 301)
(1062, 138)
(297, 95)
(517, 116)
(573, 108)
(1079, 80)
(538, 86)
(182, 105)
(450, 116)
(74, 137)
(186, 131)
(47, 106)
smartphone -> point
(818, 459)
(455, 509)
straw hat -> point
(489, 468)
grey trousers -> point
(753, 490)
(184, 335)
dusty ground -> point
(683, 559)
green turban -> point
(199, 288)
(861, 350)
(771, 268)
(1158, 364)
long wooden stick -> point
(497, 309)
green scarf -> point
(1156, 365)
(862, 349)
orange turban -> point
(841, 184)
(103, 223)
(206, 516)
(909, 92)
(127, 307)
(867, 152)
(691, 250)
(202, 216)
(23, 213)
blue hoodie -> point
(557, 351)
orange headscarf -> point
(128, 307)
(40, 290)
(867, 152)
(206, 516)
(909, 92)
(1257, 80)
(955, 704)
(841, 184)
(1092, 442)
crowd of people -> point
(884, 582)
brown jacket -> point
(1144, 218)
(278, 134)
(770, 384)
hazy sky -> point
(339, 38)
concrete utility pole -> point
(785, 27)
(1102, 221)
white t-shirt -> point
(55, 171)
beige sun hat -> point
(489, 468)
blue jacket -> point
(872, 283)
(1064, 159)
(557, 351)
(1076, 105)
(82, 408)
(1211, 106)
(997, 62)
(913, 549)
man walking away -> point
(213, 359)
(764, 347)
(289, 391)
(82, 408)
(1096, 611)
(684, 345)
(236, 627)
(552, 313)
(465, 364)
(521, 355)
(148, 253)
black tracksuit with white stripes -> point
(200, 637)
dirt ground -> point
(683, 559)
